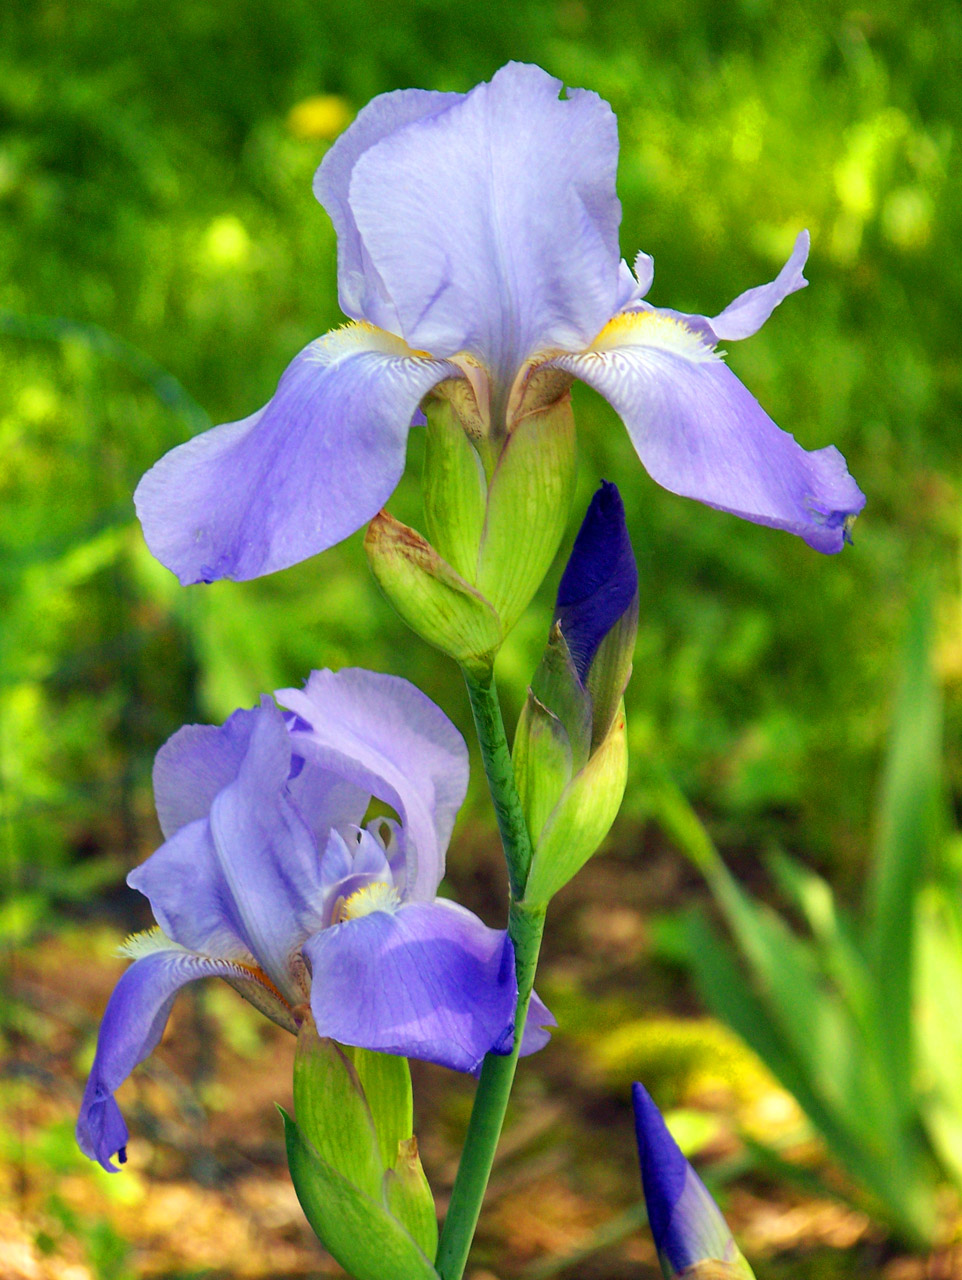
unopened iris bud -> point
(691, 1236)
(354, 1161)
(570, 752)
(432, 597)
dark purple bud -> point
(687, 1225)
(600, 581)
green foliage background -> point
(153, 194)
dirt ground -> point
(206, 1196)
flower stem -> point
(493, 741)
(525, 928)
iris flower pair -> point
(271, 879)
(478, 240)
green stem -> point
(525, 928)
(493, 741)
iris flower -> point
(478, 240)
(269, 879)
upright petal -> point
(701, 434)
(361, 290)
(383, 735)
(299, 475)
(427, 981)
(493, 224)
(194, 764)
(132, 1025)
(248, 881)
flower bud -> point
(497, 506)
(359, 1182)
(570, 751)
(433, 599)
(691, 1236)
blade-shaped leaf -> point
(908, 835)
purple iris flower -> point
(687, 1225)
(269, 879)
(478, 240)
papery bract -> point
(269, 879)
(478, 240)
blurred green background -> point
(162, 258)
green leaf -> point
(938, 1026)
(839, 955)
(357, 1230)
(909, 833)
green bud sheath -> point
(354, 1161)
(454, 485)
(529, 499)
(332, 1112)
(433, 599)
(712, 1269)
(557, 685)
(409, 1197)
(542, 763)
(582, 817)
(386, 1080)
(357, 1230)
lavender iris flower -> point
(268, 879)
(691, 1236)
(478, 239)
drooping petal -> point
(132, 1025)
(701, 434)
(600, 580)
(383, 735)
(299, 475)
(427, 981)
(361, 290)
(536, 1028)
(493, 224)
(250, 875)
(687, 1225)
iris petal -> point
(316, 463)
(249, 878)
(361, 291)
(428, 981)
(751, 309)
(132, 1025)
(493, 224)
(383, 735)
(193, 765)
(701, 434)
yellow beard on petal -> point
(653, 329)
(378, 896)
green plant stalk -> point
(525, 928)
(493, 741)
